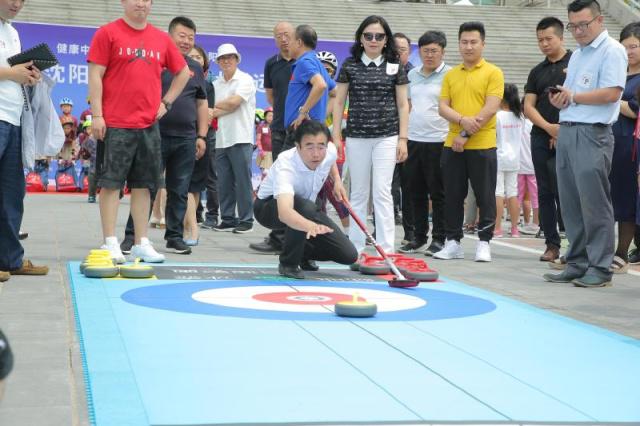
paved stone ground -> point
(46, 386)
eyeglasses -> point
(377, 36)
(430, 52)
(582, 26)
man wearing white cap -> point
(235, 108)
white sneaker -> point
(452, 250)
(114, 252)
(483, 252)
(147, 253)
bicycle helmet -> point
(328, 58)
(66, 101)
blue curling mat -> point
(257, 349)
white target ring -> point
(308, 299)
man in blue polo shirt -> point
(589, 104)
(310, 84)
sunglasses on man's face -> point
(371, 36)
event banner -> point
(71, 44)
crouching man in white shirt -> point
(286, 199)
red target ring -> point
(305, 298)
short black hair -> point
(308, 35)
(578, 5)
(472, 26)
(184, 21)
(630, 30)
(430, 37)
(310, 127)
(402, 35)
(551, 22)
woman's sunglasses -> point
(377, 36)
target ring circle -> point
(305, 301)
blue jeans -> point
(12, 190)
(234, 183)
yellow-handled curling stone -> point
(95, 259)
(100, 269)
(355, 308)
(136, 270)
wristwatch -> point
(167, 104)
(302, 111)
(464, 134)
(204, 138)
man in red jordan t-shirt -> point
(126, 59)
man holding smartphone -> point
(543, 80)
(588, 103)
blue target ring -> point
(178, 298)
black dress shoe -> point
(309, 265)
(290, 272)
(266, 247)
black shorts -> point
(131, 155)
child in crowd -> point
(509, 128)
(88, 149)
(527, 185)
(86, 114)
(66, 106)
(263, 142)
(67, 156)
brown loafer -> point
(550, 254)
(29, 268)
(4, 276)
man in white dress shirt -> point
(286, 198)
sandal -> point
(619, 266)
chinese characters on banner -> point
(71, 44)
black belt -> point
(577, 123)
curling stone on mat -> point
(95, 261)
(99, 252)
(422, 274)
(356, 308)
(100, 270)
(399, 280)
(417, 269)
(136, 270)
(378, 267)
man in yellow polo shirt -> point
(470, 97)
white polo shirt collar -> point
(367, 60)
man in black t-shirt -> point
(277, 73)
(183, 130)
(544, 116)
